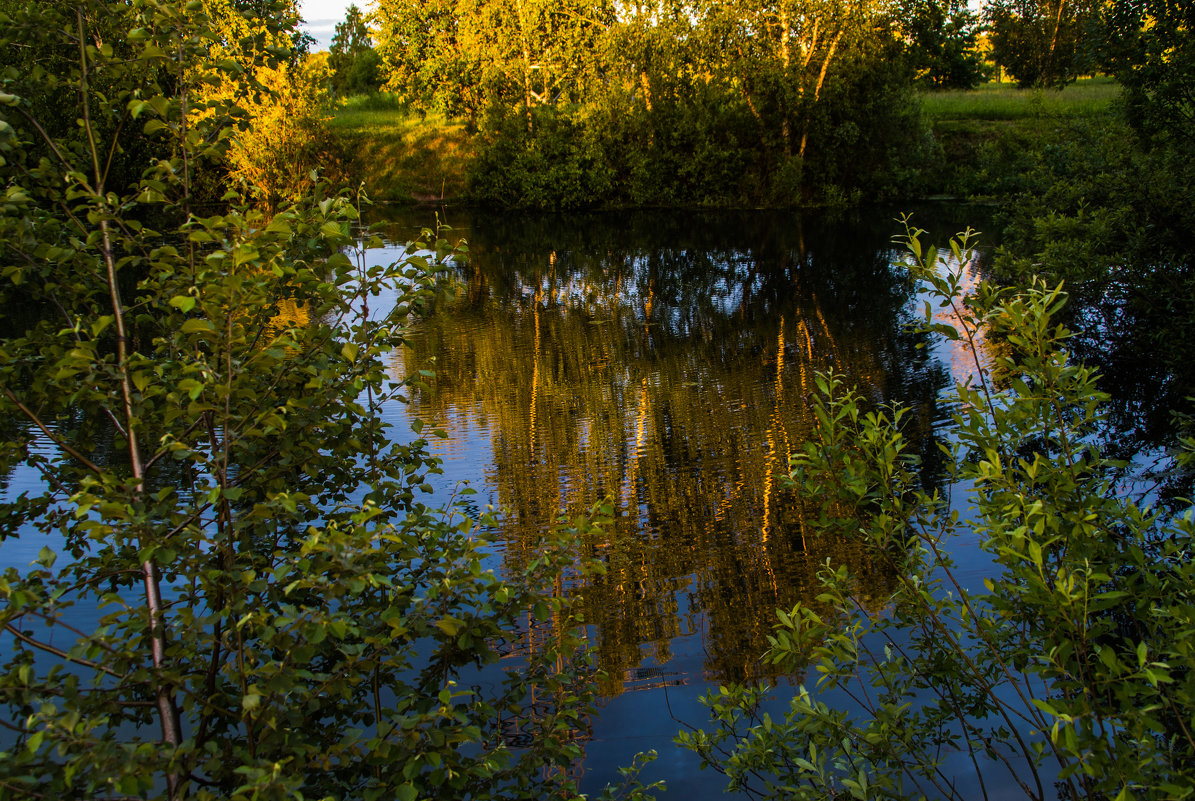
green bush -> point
(865, 143)
(556, 164)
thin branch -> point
(19, 790)
(113, 147)
(29, 118)
(84, 86)
(66, 447)
(58, 652)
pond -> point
(666, 362)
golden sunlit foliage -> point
(274, 158)
(277, 98)
(696, 102)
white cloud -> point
(320, 18)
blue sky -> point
(321, 17)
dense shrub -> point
(558, 164)
(865, 142)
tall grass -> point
(1088, 97)
(403, 156)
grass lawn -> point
(400, 156)
(1088, 97)
(990, 138)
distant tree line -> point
(453, 54)
(697, 102)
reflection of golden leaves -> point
(687, 433)
(290, 314)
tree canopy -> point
(354, 63)
(1042, 42)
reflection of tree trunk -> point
(777, 425)
(817, 308)
(633, 460)
(806, 394)
(534, 378)
(817, 89)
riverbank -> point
(989, 140)
(403, 157)
(986, 141)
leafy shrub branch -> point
(239, 593)
(1069, 673)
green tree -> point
(942, 43)
(422, 60)
(1045, 43)
(254, 32)
(283, 145)
(238, 593)
(478, 56)
(354, 63)
(777, 103)
(1150, 49)
(779, 55)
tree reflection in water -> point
(666, 362)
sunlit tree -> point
(1042, 42)
(941, 37)
(470, 55)
(354, 63)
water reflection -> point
(667, 362)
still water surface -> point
(666, 362)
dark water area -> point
(666, 362)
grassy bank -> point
(989, 139)
(401, 156)
(1003, 101)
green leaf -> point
(450, 626)
(196, 325)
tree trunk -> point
(785, 61)
(526, 62)
(1048, 67)
(817, 88)
(168, 714)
